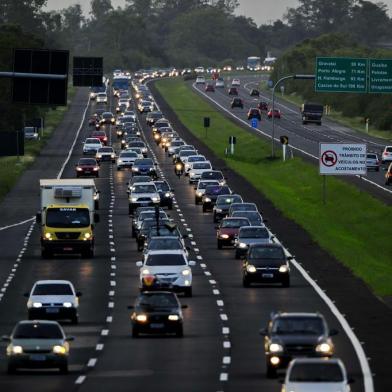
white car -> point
(138, 151)
(173, 145)
(53, 299)
(386, 156)
(131, 114)
(192, 159)
(123, 101)
(30, 133)
(236, 82)
(199, 69)
(143, 194)
(163, 243)
(201, 188)
(219, 84)
(168, 269)
(197, 169)
(200, 80)
(102, 98)
(105, 153)
(316, 374)
(91, 145)
(126, 159)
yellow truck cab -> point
(67, 217)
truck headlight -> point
(17, 350)
(275, 348)
(48, 236)
(67, 305)
(87, 235)
(37, 305)
(283, 268)
(59, 349)
(173, 317)
(251, 268)
(324, 348)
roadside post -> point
(206, 124)
(367, 120)
(254, 123)
(284, 140)
(232, 142)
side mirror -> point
(139, 264)
(263, 332)
(333, 332)
(26, 295)
(184, 306)
(79, 294)
(38, 217)
(96, 218)
(191, 263)
(70, 338)
(6, 338)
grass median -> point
(349, 226)
(12, 167)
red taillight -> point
(105, 138)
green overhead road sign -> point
(341, 74)
(380, 76)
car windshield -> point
(196, 159)
(186, 153)
(147, 162)
(67, 217)
(212, 175)
(151, 215)
(128, 155)
(107, 115)
(243, 207)
(163, 231)
(251, 215)
(163, 124)
(201, 165)
(162, 186)
(227, 200)
(234, 223)
(157, 300)
(217, 190)
(93, 141)
(52, 289)
(87, 161)
(371, 156)
(37, 331)
(165, 259)
(258, 232)
(145, 188)
(99, 133)
(177, 143)
(267, 252)
(164, 244)
(316, 372)
(298, 325)
(106, 149)
(204, 184)
(137, 144)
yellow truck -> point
(67, 216)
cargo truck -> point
(67, 216)
(311, 112)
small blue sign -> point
(270, 83)
(254, 122)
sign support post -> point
(324, 189)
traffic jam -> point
(299, 345)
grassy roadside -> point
(11, 168)
(295, 188)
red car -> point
(87, 167)
(101, 135)
(210, 88)
(228, 230)
(233, 91)
(263, 106)
(276, 113)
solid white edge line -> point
(80, 380)
(17, 224)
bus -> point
(253, 63)
(120, 83)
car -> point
(138, 143)
(197, 169)
(142, 194)
(173, 145)
(214, 175)
(145, 106)
(108, 118)
(165, 243)
(178, 150)
(211, 193)
(254, 113)
(232, 91)
(222, 206)
(228, 229)
(161, 123)
(254, 92)
(183, 155)
(313, 374)
(169, 269)
(137, 180)
(166, 228)
(292, 334)
(135, 217)
(165, 194)
(254, 217)
(30, 133)
(388, 175)
(262, 105)
(145, 166)
(130, 115)
(200, 80)
(101, 135)
(199, 69)
(276, 113)
(37, 344)
(200, 189)
(91, 145)
(266, 263)
(105, 154)
(120, 109)
(152, 117)
(219, 83)
(242, 207)
(102, 98)
(157, 312)
(151, 214)
(87, 167)
(192, 159)
(250, 235)
(372, 161)
(53, 299)
(386, 155)
(236, 82)
(237, 103)
(210, 88)
(126, 159)
(138, 151)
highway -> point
(304, 139)
(221, 349)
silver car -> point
(249, 235)
(372, 161)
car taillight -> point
(105, 138)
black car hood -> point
(297, 339)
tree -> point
(100, 8)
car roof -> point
(53, 281)
(167, 252)
(40, 322)
(145, 183)
(298, 314)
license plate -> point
(68, 248)
(87, 171)
(268, 275)
(52, 310)
(38, 357)
(157, 325)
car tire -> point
(188, 292)
(245, 282)
(96, 204)
(135, 332)
(271, 371)
(63, 369)
(219, 243)
(180, 332)
(11, 369)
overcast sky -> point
(261, 11)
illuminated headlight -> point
(243, 245)
(164, 140)
(173, 317)
(138, 133)
(37, 305)
(275, 360)
(186, 272)
(168, 144)
(123, 142)
(59, 349)
(134, 199)
(145, 271)
(135, 169)
(192, 174)
(155, 199)
(144, 149)
(167, 194)
(324, 348)
(283, 268)
(96, 169)
(142, 318)
(178, 166)
(113, 120)
(17, 349)
(119, 161)
(224, 236)
(87, 235)
(99, 156)
(199, 194)
(67, 305)
(79, 169)
(218, 210)
(117, 108)
(112, 155)
(275, 348)
(156, 136)
(151, 169)
(48, 236)
(207, 200)
(251, 268)
(96, 196)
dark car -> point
(254, 217)
(101, 135)
(233, 91)
(137, 221)
(214, 175)
(157, 312)
(291, 335)
(274, 113)
(237, 103)
(222, 206)
(254, 93)
(211, 194)
(263, 106)
(145, 166)
(210, 88)
(228, 230)
(266, 263)
(107, 118)
(254, 113)
(152, 117)
(165, 193)
(165, 243)
(161, 123)
(87, 167)
(145, 229)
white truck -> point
(67, 216)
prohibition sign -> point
(329, 158)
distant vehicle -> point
(312, 112)
(126, 159)
(87, 167)
(222, 206)
(388, 175)
(200, 80)
(263, 106)
(250, 235)
(105, 153)
(235, 82)
(91, 145)
(30, 133)
(253, 63)
(233, 91)
(254, 113)
(275, 113)
(228, 230)
(237, 103)
(219, 83)
(199, 69)
(386, 155)
(101, 135)
(372, 161)
(119, 83)
(254, 93)
(102, 98)
(210, 88)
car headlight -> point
(144, 149)
(207, 200)
(167, 194)
(79, 169)
(283, 268)
(119, 161)
(199, 194)
(17, 349)
(186, 272)
(136, 169)
(59, 349)
(112, 155)
(146, 271)
(275, 348)
(48, 235)
(37, 305)
(243, 245)
(168, 144)
(67, 305)
(192, 174)
(142, 318)
(151, 169)
(133, 199)
(224, 236)
(87, 235)
(218, 210)
(155, 199)
(95, 169)
(173, 317)
(251, 268)
(99, 156)
(324, 348)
